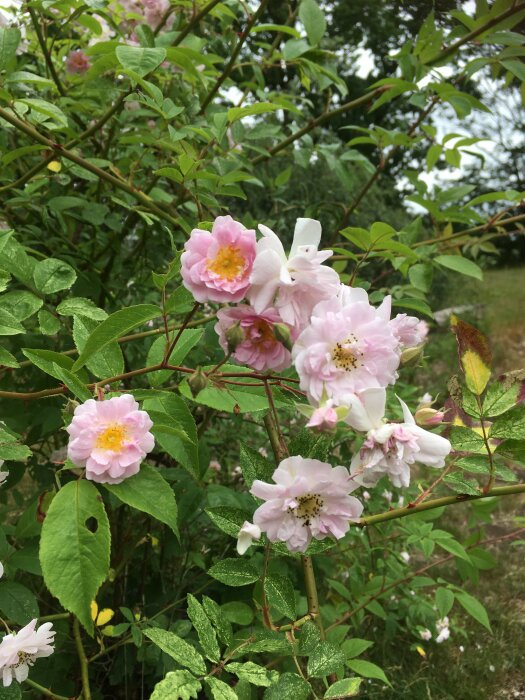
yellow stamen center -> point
(229, 262)
(112, 438)
(345, 356)
(309, 506)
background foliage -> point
(263, 111)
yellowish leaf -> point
(55, 166)
(94, 610)
(104, 617)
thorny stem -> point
(45, 691)
(231, 63)
(84, 673)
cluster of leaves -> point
(102, 177)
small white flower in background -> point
(401, 502)
(214, 465)
(425, 634)
(18, 651)
(405, 556)
(366, 496)
(1, 569)
(247, 534)
(388, 495)
(3, 475)
(263, 451)
(492, 668)
(442, 627)
(462, 648)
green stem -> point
(437, 503)
(52, 618)
(82, 658)
(311, 593)
(45, 691)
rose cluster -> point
(292, 309)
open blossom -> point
(216, 266)
(409, 330)
(247, 534)
(442, 627)
(390, 448)
(110, 438)
(77, 62)
(309, 499)
(259, 348)
(18, 651)
(425, 634)
(347, 347)
(293, 284)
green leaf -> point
(185, 451)
(139, 60)
(325, 659)
(461, 485)
(254, 465)
(280, 594)
(188, 339)
(234, 572)
(116, 325)
(79, 306)
(236, 113)
(11, 692)
(368, 670)
(313, 19)
(466, 440)
(346, 688)
(53, 275)
(290, 686)
(227, 519)
(9, 324)
(107, 363)
(218, 618)
(309, 638)
(461, 265)
(17, 603)
(178, 649)
(252, 673)
(6, 359)
(150, 493)
(73, 383)
(177, 685)
(48, 361)
(21, 303)
(500, 398)
(516, 67)
(238, 613)
(10, 447)
(355, 647)
(48, 322)
(219, 689)
(444, 601)
(474, 608)
(310, 444)
(420, 276)
(447, 542)
(74, 548)
(510, 425)
(204, 629)
(9, 40)
(477, 464)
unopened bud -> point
(411, 356)
(197, 382)
(282, 333)
(234, 337)
(70, 406)
(428, 416)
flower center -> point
(24, 658)
(346, 355)
(112, 438)
(261, 332)
(229, 262)
(309, 506)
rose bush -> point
(190, 416)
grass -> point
(491, 667)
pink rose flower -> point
(324, 418)
(309, 499)
(216, 266)
(18, 652)
(409, 330)
(260, 348)
(110, 438)
(390, 448)
(346, 348)
(77, 62)
(293, 284)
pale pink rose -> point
(345, 349)
(390, 448)
(110, 438)
(77, 62)
(247, 534)
(155, 11)
(293, 284)
(215, 466)
(408, 330)
(309, 499)
(425, 634)
(217, 266)
(260, 349)
(19, 651)
(324, 418)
